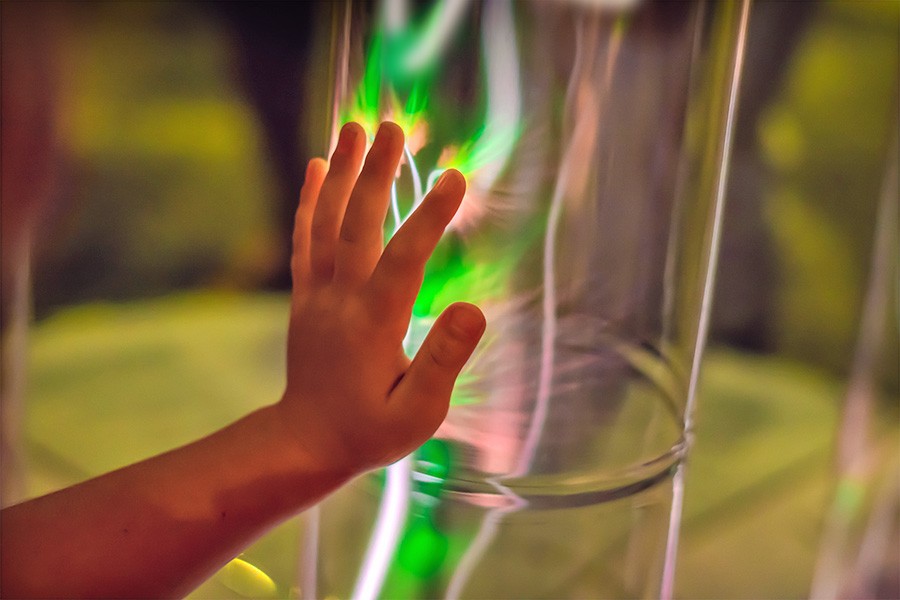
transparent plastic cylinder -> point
(594, 138)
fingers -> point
(428, 382)
(309, 194)
(361, 238)
(333, 198)
(396, 280)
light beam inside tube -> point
(388, 526)
(402, 81)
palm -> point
(349, 382)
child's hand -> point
(157, 528)
(353, 398)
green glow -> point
(423, 549)
(391, 88)
(484, 148)
(433, 464)
(411, 78)
(412, 114)
(364, 107)
(445, 266)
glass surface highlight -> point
(593, 138)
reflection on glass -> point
(593, 137)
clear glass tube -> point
(594, 138)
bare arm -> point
(353, 401)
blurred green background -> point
(159, 269)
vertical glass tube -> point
(594, 138)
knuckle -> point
(402, 262)
(444, 351)
(320, 233)
(349, 235)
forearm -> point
(353, 400)
(160, 527)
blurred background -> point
(151, 158)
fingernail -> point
(312, 165)
(348, 134)
(441, 180)
(385, 130)
(468, 321)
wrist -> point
(308, 445)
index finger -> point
(309, 194)
(398, 276)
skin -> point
(353, 401)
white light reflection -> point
(668, 580)
(443, 21)
(396, 14)
(580, 148)
(585, 75)
(395, 208)
(610, 5)
(418, 192)
(503, 114)
(398, 488)
(309, 555)
(388, 526)
(504, 96)
(432, 178)
(504, 107)
(473, 555)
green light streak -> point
(389, 90)
(423, 549)
(398, 84)
(483, 149)
(410, 78)
(401, 74)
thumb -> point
(443, 354)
